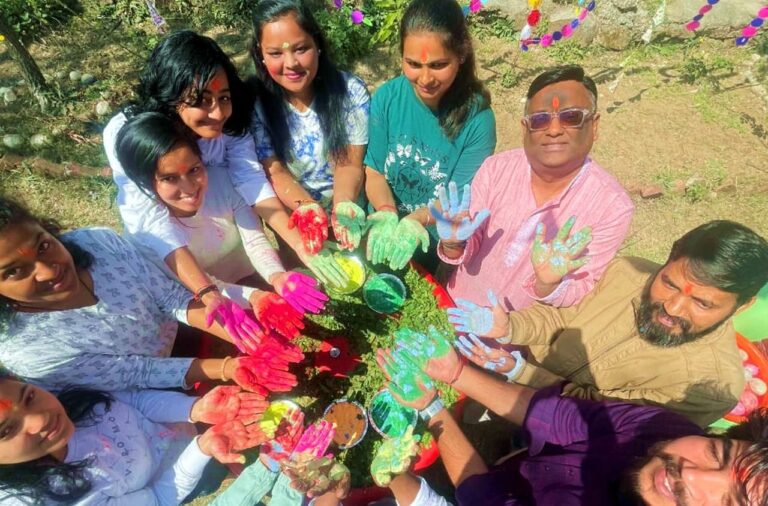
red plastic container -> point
(757, 358)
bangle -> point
(387, 208)
(205, 290)
(458, 373)
(519, 364)
(223, 368)
(434, 408)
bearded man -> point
(648, 334)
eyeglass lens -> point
(570, 118)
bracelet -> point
(434, 408)
(387, 208)
(205, 290)
(458, 373)
(519, 364)
(223, 367)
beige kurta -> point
(595, 346)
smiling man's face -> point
(558, 150)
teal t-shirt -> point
(407, 145)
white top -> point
(139, 453)
(122, 341)
(225, 236)
(140, 213)
(309, 160)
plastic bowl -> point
(355, 269)
(384, 293)
(351, 422)
(388, 417)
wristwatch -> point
(519, 364)
(434, 408)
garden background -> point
(684, 117)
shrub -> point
(33, 18)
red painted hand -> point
(312, 223)
(223, 440)
(275, 313)
(227, 403)
(256, 375)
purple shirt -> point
(578, 452)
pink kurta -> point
(498, 255)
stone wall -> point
(616, 24)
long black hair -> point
(467, 93)
(46, 478)
(146, 138)
(330, 89)
(14, 213)
(176, 73)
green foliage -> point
(705, 71)
(490, 23)
(510, 77)
(387, 15)
(33, 18)
(366, 331)
(348, 42)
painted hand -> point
(408, 236)
(381, 227)
(227, 403)
(223, 440)
(300, 291)
(246, 334)
(408, 384)
(492, 359)
(315, 440)
(256, 375)
(274, 313)
(453, 222)
(553, 260)
(312, 223)
(325, 267)
(316, 476)
(394, 457)
(432, 352)
(484, 321)
(348, 221)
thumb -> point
(492, 298)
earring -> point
(319, 51)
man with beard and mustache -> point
(647, 333)
(585, 452)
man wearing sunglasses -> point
(525, 251)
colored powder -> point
(272, 417)
(389, 417)
(354, 269)
(384, 293)
(350, 421)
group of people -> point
(612, 367)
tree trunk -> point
(29, 68)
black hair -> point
(467, 93)
(750, 468)
(44, 479)
(176, 73)
(725, 255)
(14, 213)
(560, 74)
(329, 86)
(146, 138)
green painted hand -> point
(348, 222)
(316, 476)
(553, 260)
(408, 236)
(381, 227)
(394, 457)
(407, 381)
(325, 267)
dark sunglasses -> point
(569, 118)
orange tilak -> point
(26, 252)
(5, 405)
(215, 84)
(424, 54)
(555, 103)
(687, 289)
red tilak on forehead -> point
(424, 54)
(5, 405)
(687, 289)
(26, 252)
(555, 103)
(215, 84)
